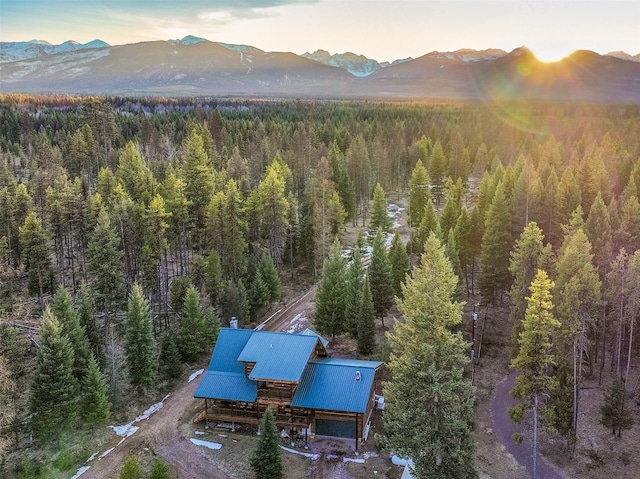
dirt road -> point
(504, 428)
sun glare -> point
(550, 56)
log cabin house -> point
(310, 392)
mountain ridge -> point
(195, 66)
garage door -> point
(328, 427)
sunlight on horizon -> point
(551, 56)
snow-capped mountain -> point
(16, 51)
(357, 65)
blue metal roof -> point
(225, 379)
(227, 386)
(331, 384)
(229, 345)
(311, 332)
(278, 356)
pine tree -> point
(330, 297)
(437, 171)
(94, 405)
(266, 462)
(259, 295)
(169, 361)
(53, 393)
(379, 216)
(427, 385)
(428, 224)
(525, 261)
(419, 194)
(33, 244)
(354, 279)
(192, 340)
(104, 265)
(399, 261)
(213, 277)
(62, 308)
(7, 404)
(380, 278)
(535, 355)
(211, 327)
(366, 322)
(271, 278)
(614, 414)
(139, 346)
(84, 305)
(130, 469)
(160, 470)
(496, 245)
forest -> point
(132, 229)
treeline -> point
(164, 198)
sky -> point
(385, 30)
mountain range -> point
(193, 66)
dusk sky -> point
(380, 29)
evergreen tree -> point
(379, 216)
(535, 355)
(496, 245)
(271, 278)
(614, 414)
(366, 322)
(104, 265)
(354, 280)
(178, 291)
(62, 308)
(427, 385)
(213, 277)
(236, 302)
(419, 194)
(169, 361)
(437, 171)
(84, 305)
(211, 327)
(525, 261)
(399, 261)
(139, 346)
(33, 244)
(94, 405)
(428, 224)
(160, 470)
(192, 340)
(266, 462)
(380, 278)
(130, 469)
(330, 297)
(53, 392)
(259, 295)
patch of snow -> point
(313, 457)
(126, 430)
(200, 433)
(237, 48)
(195, 375)
(348, 459)
(210, 445)
(332, 456)
(129, 429)
(222, 435)
(92, 457)
(80, 472)
(106, 453)
(370, 454)
(399, 461)
(449, 56)
(294, 324)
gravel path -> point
(504, 428)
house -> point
(309, 392)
